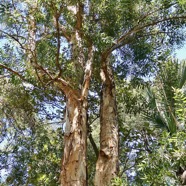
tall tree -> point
(63, 44)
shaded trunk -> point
(107, 163)
(75, 139)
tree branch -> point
(93, 145)
(79, 16)
(64, 32)
(12, 71)
(119, 42)
(155, 11)
(36, 66)
(88, 72)
(14, 37)
(58, 44)
(59, 27)
(67, 89)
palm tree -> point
(160, 98)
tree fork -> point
(74, 166)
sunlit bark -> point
(74, 158)
(107, 163)
(74, 170)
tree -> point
(28, 141)
(161, 100)
(65, 44)
(166, 101)
(148, 153)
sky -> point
(181, 53)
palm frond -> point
(171, 122)
(182, 74)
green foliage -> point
(148, 154)
(180, 102)
(131, 95)
(160, 167)
(31, 149)
(183, 3)
(161, 100)
(33, 157)
(119, 182)
(41, 168)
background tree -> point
(149, 154)
(28, 141)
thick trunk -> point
(107, 163)
(74, 159)
(74, 169)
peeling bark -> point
(75, 141)
(107, 163)
(74, 168)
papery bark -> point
(74, 167)
(107, 163)
(75, 141)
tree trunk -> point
(74, 168)
(74, 159)
(107, 163)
